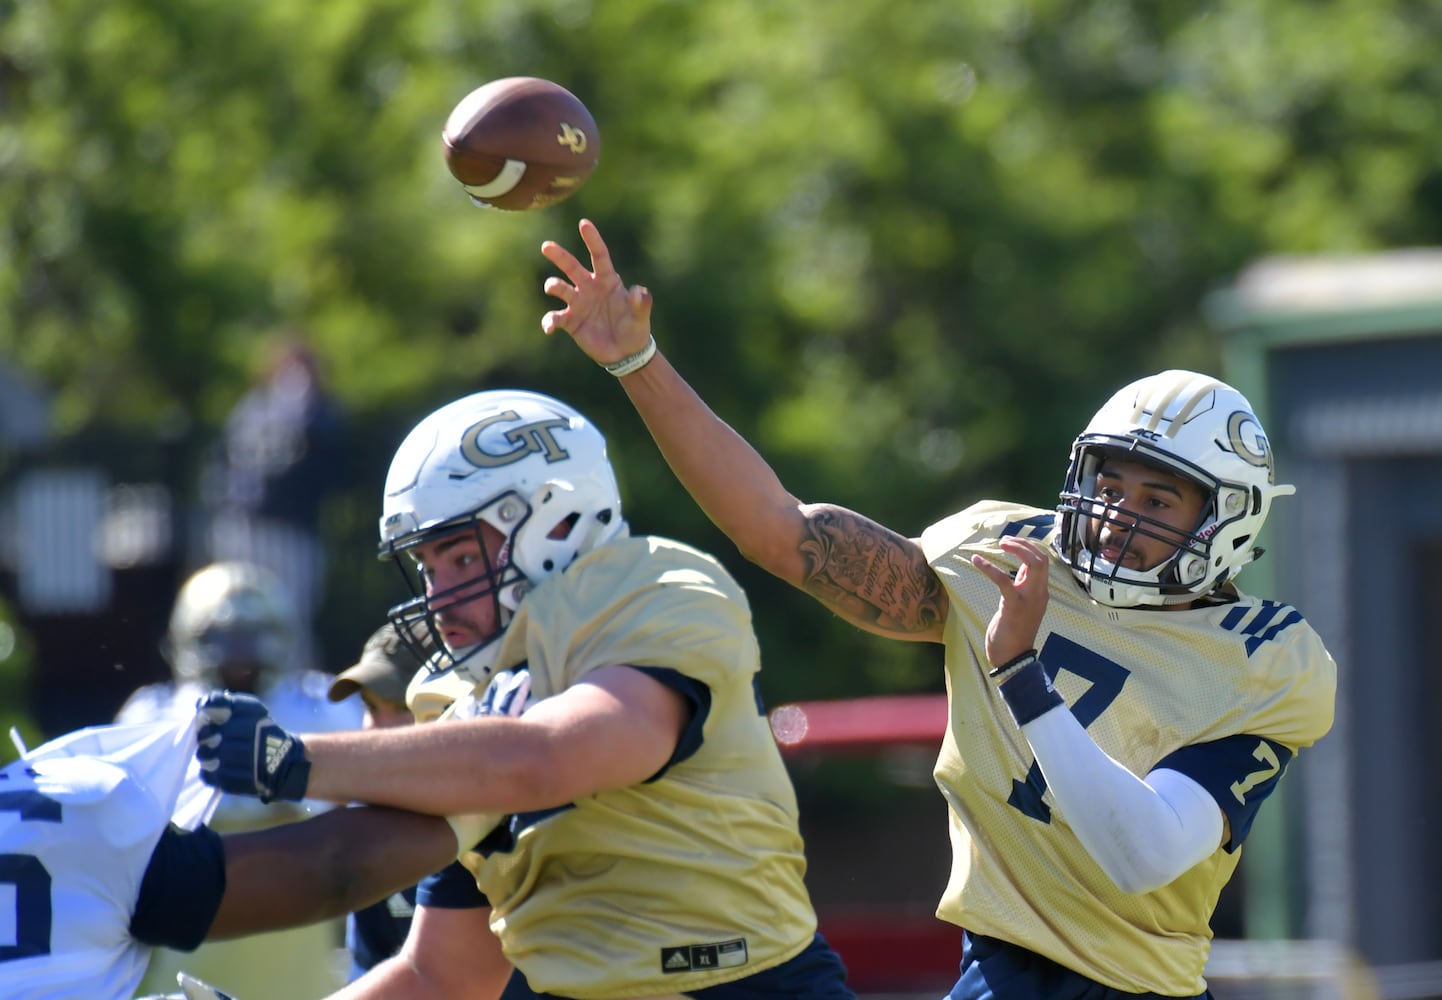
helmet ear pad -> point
(564, 524)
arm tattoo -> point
(868, 573)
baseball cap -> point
(386, 666)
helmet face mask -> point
(415, 619)
(527, 466)
(1196, 429)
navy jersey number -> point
(30, 879)
(1107, 678)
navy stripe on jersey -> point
(451, 888)
(1239, 772)
(1031, 527)
(698, 696)
(1266, 621)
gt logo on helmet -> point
(1249, 443)
(533, 437)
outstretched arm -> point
(870, 575)
(324, 867)
(615, 727)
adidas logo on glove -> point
(276, 747)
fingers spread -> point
(566, 261)
(600, 254)
(559, 289)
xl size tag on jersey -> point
(700, 957)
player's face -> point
(240, 675)
(1171, 505)
(457, 573)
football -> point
(521, 143)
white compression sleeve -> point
(1143, 834)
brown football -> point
(521, 143)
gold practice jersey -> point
(1225, 693)
(694, 878)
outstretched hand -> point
(607, 320)
(1012, 630)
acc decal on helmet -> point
(1193, 426)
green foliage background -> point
(906, 251)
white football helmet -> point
(232, 626)
(1193, 426)
(528, 465)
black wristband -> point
(1029, 693)
(1019, 660)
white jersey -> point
(79, 818)
(246, 966)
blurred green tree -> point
(907, 255)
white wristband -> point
(633, 362)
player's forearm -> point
(492, 765)
(382, 851)
(728, 478)
(324, 867)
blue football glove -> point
(244, 752)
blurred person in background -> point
(232, 626)
(280, 456)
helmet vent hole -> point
(604, 516)
(563, 527)
(548, 565)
